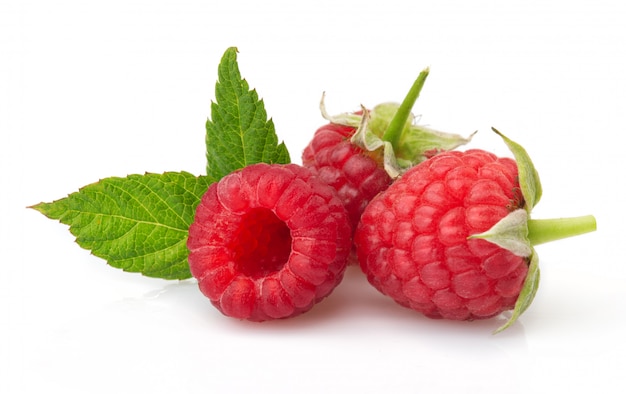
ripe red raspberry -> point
(412, 241)
(453, 237)
(353, 172)
(268, 242)
(360, 153)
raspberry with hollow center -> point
(266, 246)
(268, 242)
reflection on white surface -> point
(355, 331)
(344, 343)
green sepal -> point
(518, 233)
(511, 233)
(370, 142)
(391, 129)
(528, 176)
(527, 293)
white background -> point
(96, 89)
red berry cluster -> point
(269, 241)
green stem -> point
(546, 230)
(397, 123)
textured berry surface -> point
(412, 239)
(268, 242)
(356, 175)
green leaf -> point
(528, 175)
(238, 133)
(138, 223)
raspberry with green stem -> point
(453, 237)
(361, 153)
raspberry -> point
(352, 172)
(268, 242)
(412, 241)
(453, 237)
(359, 154)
